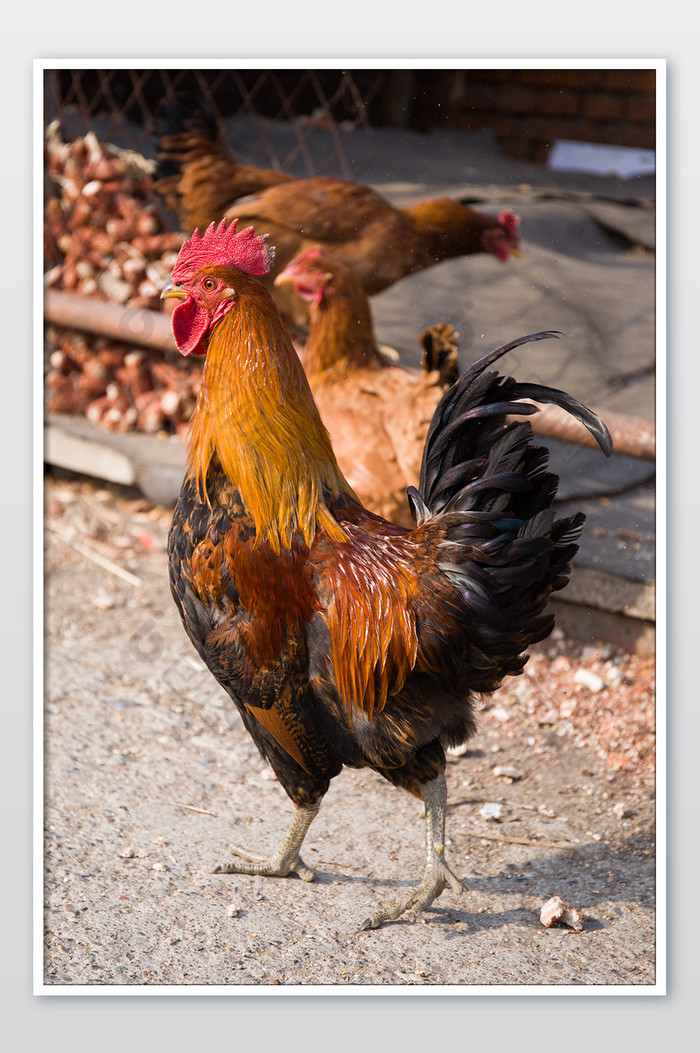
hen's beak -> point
(172, 291)
(283, 278)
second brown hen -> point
(377, 412)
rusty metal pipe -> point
(632, 436)
(132, 325)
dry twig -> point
(537, 843)
(91, 554)
(191, 808)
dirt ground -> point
(149, 775)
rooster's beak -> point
(172, 291)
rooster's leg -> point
(435, 874)
(286, 860)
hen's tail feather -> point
(178, 125)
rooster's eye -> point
(209, 284)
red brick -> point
(508, 127)
(572, 79)
(529, 109)
(480, 95)
(516, 99)
(630, 80)
(605, 107)
(547, 129)
(487, 76)
(532, 128)
(642, 137)
(534, 78)
(641, 109)
(560, 102)
(584, 131)
(471, 122)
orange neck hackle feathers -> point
(256, 413)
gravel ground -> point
(149, 775)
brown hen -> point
(377, 412)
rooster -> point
(341, 638)
(378, 241)
(376, 411)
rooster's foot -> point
(286, 860)
(281, 864)
(436, 874)
(433, 880)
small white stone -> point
(507, 771)
(102, 601)
(92, 188)
(613, 674)
(589, 679)
(555, 909)
(500, 714)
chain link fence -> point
(301, 121)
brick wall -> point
(529, 109)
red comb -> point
(246, 251)
(510, 221)
(312, 253)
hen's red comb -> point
(510, 221)
(246, 251)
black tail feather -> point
(453, 394)
(470, 421)
(490, 484)
(591, 420)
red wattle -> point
(190, 324)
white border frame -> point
(659, 987)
